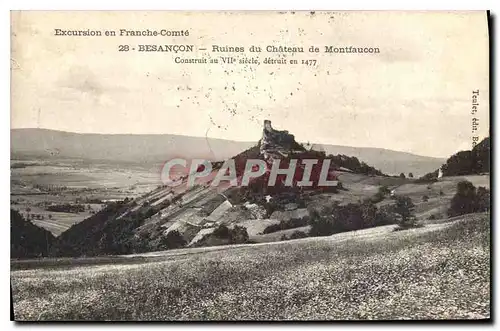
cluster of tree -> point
(67, 208)
(352, 163)
(348, 218)
(286, 224)
(172, 240)
(431, 177)
(26, 239)
(152, 237)
(234, 235)
(364, 215)
(468, 199)
(475, 161)
(404, 209)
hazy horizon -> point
(233, 140)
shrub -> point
(384, 190)
(431, 177)
(404, 207)
(239, 235)
(385, 215)
(468, 200)
(286, 224)
(298, 235)
(464, 201)
(323, 226)
(483, 199)
(150, 212)
(221, 232)
(172, 240)
(236, 235)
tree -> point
(384, 190)
(483, 199)
(402, 175)
(239, 235)
(368, 214)
(475, 161)
(464, 201)
(425, 198)
(469, 200)
(410, 175)
(404, 207)
(172, 240)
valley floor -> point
(439, 271)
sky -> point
(413, 96)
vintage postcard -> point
(213, 166)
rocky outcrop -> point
(276, 143)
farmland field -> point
(439, 271)
(36, 184)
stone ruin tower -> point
(275, 141)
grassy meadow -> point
(439, 271)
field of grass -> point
(440, 271)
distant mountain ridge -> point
(157, 148)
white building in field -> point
(440, 173)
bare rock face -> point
(276, 142)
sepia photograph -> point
(250, 166)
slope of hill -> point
(26, 239)
(45, 143)
(196, 213)
(440, 271)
